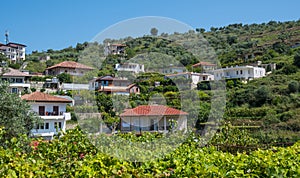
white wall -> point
(52, 127)
(145, 122)
(246, 72)
(48, 106)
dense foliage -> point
(74, 156)
(15, 115)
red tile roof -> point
(13, 73)
(152, 110)
(70, 64)
(43, 97)
(204, 64)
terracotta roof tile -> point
(71, 64)
(43, 97)
(152, 110)
(204, 64)
(13, 72)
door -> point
(55, 110)
(41, 110)
(153, 125)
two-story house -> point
(195, 77)
(52, 110)
(69, 67)
(17, 80)
(118, 86)
(14, 51)
(239, 72)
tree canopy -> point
(15, 114)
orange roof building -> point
(70, 67)
(44, 97)
(53, 112)
(153, 118)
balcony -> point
(54, 115)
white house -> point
(130, 67)
(14, 51)
(196, 77)
(52, 110)
(153, 118)
(69, 67)
(17, 80)
(239, 72)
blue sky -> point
(57, 24)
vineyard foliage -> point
(74, 156)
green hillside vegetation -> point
(258, 136)
(268, 106)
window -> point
(57, 125)
(55, 110)
(203, 78)
(41, 110)
(237, 72)
(47, 125)
(19, 80)
(249, 71)
(41, 126)
(241, 72)
(12, 80)
(14, 90)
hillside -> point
(268, 107)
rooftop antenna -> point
(6, 37)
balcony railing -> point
(49, 113)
